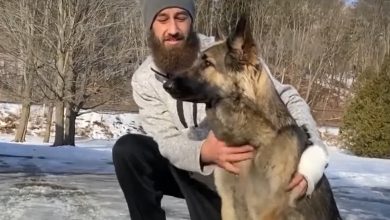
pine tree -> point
(366, 122)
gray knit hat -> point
(150, 8)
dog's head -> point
(221, 71)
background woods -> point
(70, 55)
(75, 55)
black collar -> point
(159, 75)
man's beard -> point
(174, 59)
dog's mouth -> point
(195, 98)
(188, 91)
(212, 103)
(188, 98)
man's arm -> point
(315, 158)
(157, 122)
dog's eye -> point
(208, 63)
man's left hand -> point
(299, 184)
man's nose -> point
(173, 28)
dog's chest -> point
(229, 125)
(236, 124)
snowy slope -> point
(95, 125)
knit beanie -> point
(150, 8)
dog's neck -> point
(264, 98)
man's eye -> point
(182, 18)
(162, 19)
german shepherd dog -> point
(243, 107)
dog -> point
(242, 108)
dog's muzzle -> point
(169, 85)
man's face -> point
(172, 27)
(173, 42)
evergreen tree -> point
(366, 122)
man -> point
(175, 150)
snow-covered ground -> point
(94, 125)
(41, 182)
(361, 185)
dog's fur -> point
(243, 107)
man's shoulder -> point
(143, 72)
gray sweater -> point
(179, 129)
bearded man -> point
(177, 153)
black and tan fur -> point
(243, 107)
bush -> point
(366, 121)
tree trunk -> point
(70, 125)
(59, 118)
(49, 119)
(62, 65)
(26, 51)
(20, 135)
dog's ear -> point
(219, 35)
(241, 42)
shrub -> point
(366, 121)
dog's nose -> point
(169, 85)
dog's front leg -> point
(225, 183)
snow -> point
(361, 185)
(39, 181)
(44, 159)
(329, 130)
(107, 125)
(95, 125)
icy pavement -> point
(65, 183)
(69, 197)
(361, 186)
(78, 183)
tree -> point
(366, 122)
(20, 23)
(72, 55)
(86, 41)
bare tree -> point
(19, 20)
(76, 56)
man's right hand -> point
(214, 151)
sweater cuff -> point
(312, 166)
(205, 170)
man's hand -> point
(214, 151)
(299, 184)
